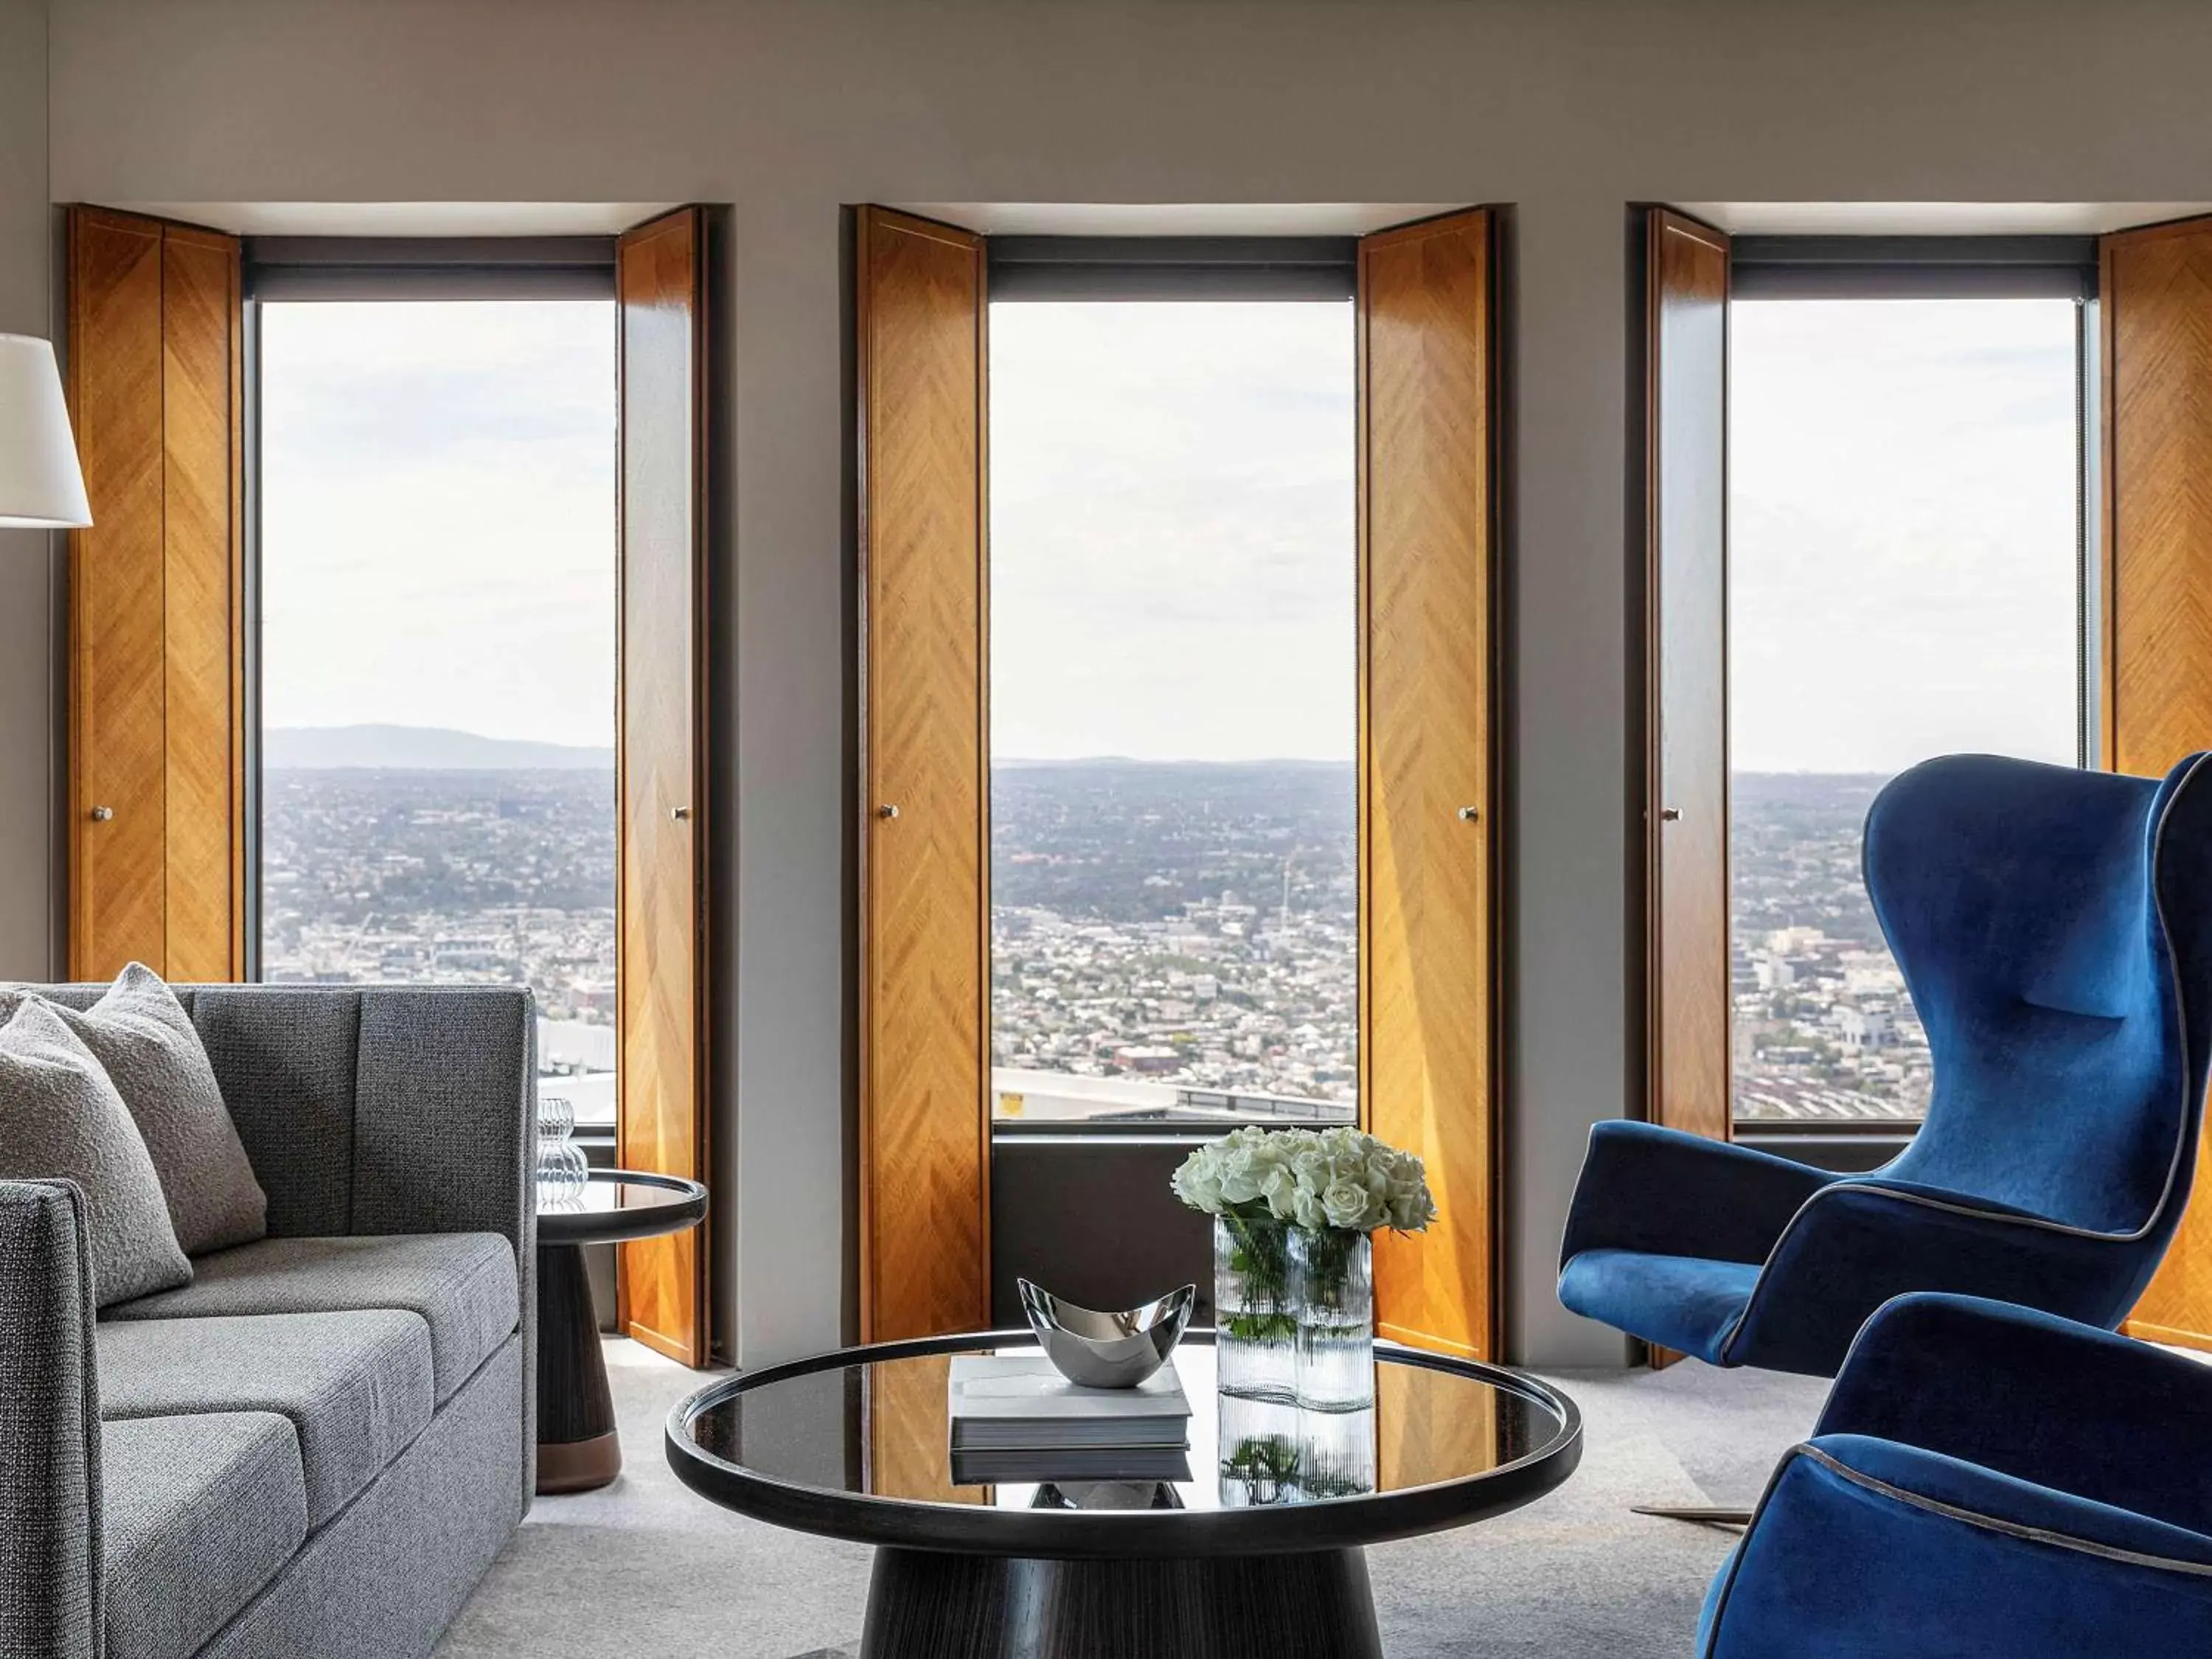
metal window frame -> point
(323, 269)
(336, 268)
(1948, 268)
(1913, 267)
(1121, 268)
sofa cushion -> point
(463, 1284)
(199, 1512)
(61, 1119)
(356, 1386)
(141, 1034)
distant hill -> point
(420, 749)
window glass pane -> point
(438, 576)
(1173, 711)
(1903, 583)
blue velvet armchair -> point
(2055, 928)
(1987, 1482)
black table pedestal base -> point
(577, 1448)
(926, 1605)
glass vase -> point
(1333, 1288)
(1257, 1327)
(563, 1170)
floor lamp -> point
(41, 486)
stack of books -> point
(1014, 1418)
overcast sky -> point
(1172, 527)
(1171, 531)
(1902, 544)
(438, 517)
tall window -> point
(1173, 710)
(437, 680)
(1904, 570)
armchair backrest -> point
(2054, 926)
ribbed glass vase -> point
(1332, 1289)
(1256, 1326)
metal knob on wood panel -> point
(1470, 814)
(680, 814)
(1670, 814)
(887, 811)
(101, 814)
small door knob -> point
(1470, 814)
(1669, 814)
(101, 814)
(680, 814)
(887, 811)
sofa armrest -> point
(50, 1497)
(444, 1109)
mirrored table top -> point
(621, 1204)
(857, 1445)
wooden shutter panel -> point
(1686, 816)
(660, 765)
(1427, 516)
(924, 1135)
(2156, 297)
(156, 614)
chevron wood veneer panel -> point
(924, 1129)
(1686, 647)
(203, 726)
(660, 724)
(1420, 1430)
(2157, 303)
(908, 1433)
(118, 890)
(1428, 1080)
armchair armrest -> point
(1856, 1244)
(1867, 1548)
(1643, 1187)
(49, 1501)
(2066, 1405)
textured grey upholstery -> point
(384, 1578)
(50, 1511)
(202, 1512)
(61, 1119)
(463, 1284)
(356, 1386)
(144, 1038)
(363, 1111)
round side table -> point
(577, 1446)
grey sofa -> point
(315, 1449)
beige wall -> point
(26, 568)
(1567, 108)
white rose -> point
(1240, 1178)
(1345, 1204)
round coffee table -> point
(1252, 1543)
(577, 1446)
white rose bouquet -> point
(1340, 1178)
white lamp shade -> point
(41, 486)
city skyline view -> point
(1173, 659)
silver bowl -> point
(1107, 1349)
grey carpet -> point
(644, 1567)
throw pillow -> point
(142, 1036)
(60, 1118)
